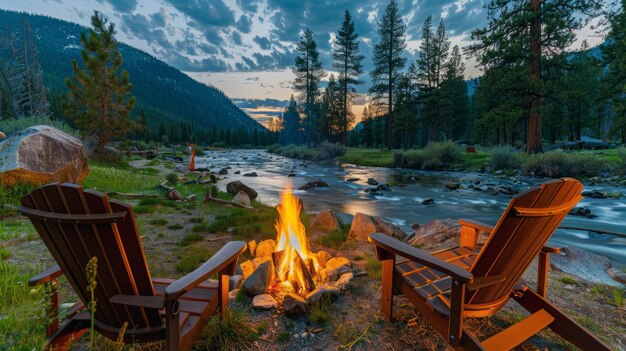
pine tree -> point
(519, 34)
(99, 98)
(347, 60)
(388, 62)
(614, 80)
(290, 131)
(331, 123)
(454, 100)
(308, 70)
(141, 126)
(431, 62)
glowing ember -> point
(293, 246)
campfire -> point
(295, 263)
(286, 270)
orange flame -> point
(293, 242)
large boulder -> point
(235, 187)
(40, 155)
(437, 232)
(325, 222)
(363, 226)
(586, 265)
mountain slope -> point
(163, 92)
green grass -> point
(196, 220)
(569, 280)
(131, 180)
(159, 222)
(335, 239)
(617, 299)
(5, 254)
(368, 157)
(13, 229)
(192, 256)
(175, 226)
(22, 309)
(374, 268)
(11, 195)
(321, 311)
(231, 332)
(247, 224)
(190, 238)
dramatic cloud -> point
(124, 6)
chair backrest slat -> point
(75, 244)
(517, 238)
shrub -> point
(620, 167)
(504, 158)
(434, 156)
(555, 164)
(325, 151)
(231, 332)
(330, 150)
(13, 125)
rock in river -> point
(314, 184)
(40, 155)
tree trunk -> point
(534, 116)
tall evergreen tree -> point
(347, 60)
(308, 70)
(431, 62)
(99, 98)
(388, 62)
(614, 80)
(519, 34)
(290, 131)
(331, 122)
(454, 100)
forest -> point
(535, 88)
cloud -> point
(210, 13)
(125, 6)
(264, 43)
(236, 37)
(140, 27)
(209, 64)
(159, 19)
(244, 24)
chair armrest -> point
(476, 224)
(46, 276)
(397, 247)
(552, 250)
(156, 302)
(225, 257)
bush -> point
(555, 164)
(12, 125)
(434, 156)
(504, 158)
(325, 151)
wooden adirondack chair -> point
(77, 225)
(452, 284)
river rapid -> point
(402, 205)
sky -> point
(247, 47)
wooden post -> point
(172, 327)
(386, 301)
(457, 301)
(223, 293)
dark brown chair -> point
(77, 225)
(452, 284)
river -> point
(402, 205)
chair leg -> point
(62, 338)
(542, 273)
(53, 308)
(223, 294)
(565, 327)
(172, 325)
(386, 304)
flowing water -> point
(402, 205)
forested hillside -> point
(167, 96)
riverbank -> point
(593, 165)
(177, 236)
